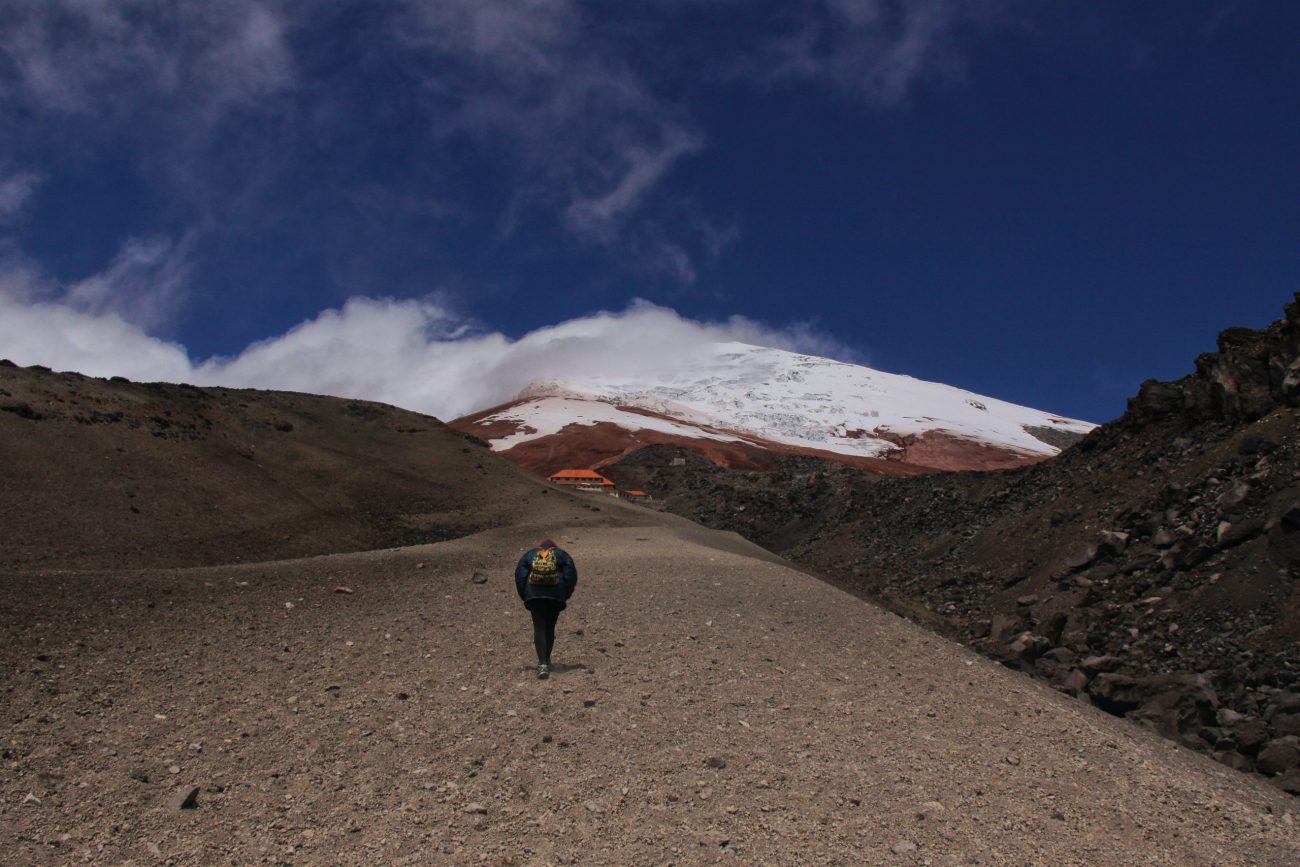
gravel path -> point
(711, 705)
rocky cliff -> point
(1153, 569)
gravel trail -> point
(711, 705)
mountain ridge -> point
(760, 399)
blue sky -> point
(1045, 202)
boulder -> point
(1061, 655)
(1234, 760)
(1281, 755)
(1256, 443)
(1027, 645)
(1285, 702)
(1164, 538)
(1234, 533)
(1097, 664)
(184, 798)
(1111, 543)
(1232, 500)
(1072, 681)
(1082, 557)
(1286, 724)
(1003, 627)
(1250, 735)
(1289, 782)
(1176, 705)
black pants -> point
(545, 613)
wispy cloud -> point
(72, 56)
(415, 354)
(140, 288)
(582, 126)
(542, 80)
(143, 284)
(15, 191)
(879, 50)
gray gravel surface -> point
(710, 705)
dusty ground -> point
(1153, 569)
(711, 705)
(97, 472)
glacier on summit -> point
(759, 396)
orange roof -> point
(635, 493)
(590, 476)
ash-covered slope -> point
(737, 404)
(401, 724)
(100, 473)
(1153, 569)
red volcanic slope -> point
(598, 445)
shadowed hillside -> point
(1153, 569)
(121, 474)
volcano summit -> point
(738, 404)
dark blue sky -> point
(1045, 202)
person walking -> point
(545, 578)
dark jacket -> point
(558, 592)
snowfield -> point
(730, 391)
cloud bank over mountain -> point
(419, 355)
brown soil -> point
(591, 446)
(115, 474)
(710, 705)
(1153, 569)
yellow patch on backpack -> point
(545, 568)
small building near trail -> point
(583, 480)
(635, 495)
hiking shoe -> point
(543, 670)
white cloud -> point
(144, 283)
(104, 344)
(89, 56)
(15, 191)
(542, 80)
(877, 49)
(414, 354)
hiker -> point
(545, 578)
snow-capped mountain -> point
(733, 402)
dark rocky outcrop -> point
(1152, 569)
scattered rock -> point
(1289, 782)
(1027, 645)
(1112, 543)
(1281, 755)
(1082, 557)
(31, 800)
(715, 762)
(929, 810)
(184, 798)
(1229, 534)
(1289, 516)
(1164, 538)
(1249, 735)
(342, 589)
(903, 847)
(1096, 664)
(474, 809)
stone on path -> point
(184, 798)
